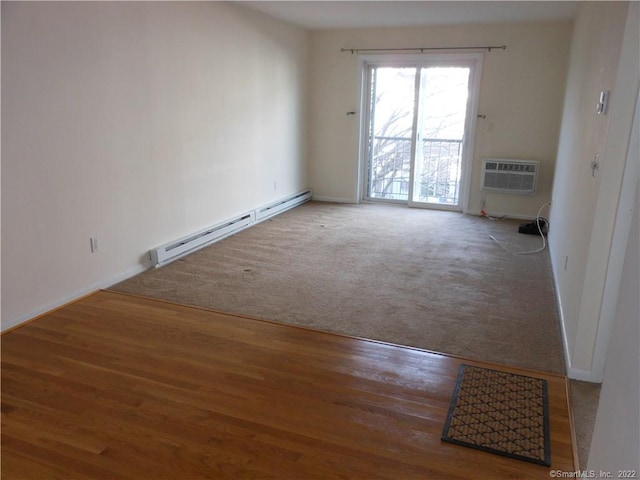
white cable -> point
(544, 241)
(485, 214)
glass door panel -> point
(441, 125)
(390, 136)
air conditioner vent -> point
(510, 176)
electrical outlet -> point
(93, 241)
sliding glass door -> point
(442, 112)
(417, 124)
(391, 118)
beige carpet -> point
(584, 405)
(422, 278)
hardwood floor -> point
(115, 386)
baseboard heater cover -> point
(282, 205)
(172, 251)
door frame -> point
(472, 60)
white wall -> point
(521, 94)
(137, 122)
(584, 207)
(616, 438)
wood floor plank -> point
(115, 386)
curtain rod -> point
(420, 49)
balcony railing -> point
(437, 172)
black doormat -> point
(500, 413)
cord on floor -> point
(538, 224)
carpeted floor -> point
(423, 278)
(585, 397)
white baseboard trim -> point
(14, 322)
(515, 216)
(332, 199)
(560, 310)
(571, 372)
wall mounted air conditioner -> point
(510, 176)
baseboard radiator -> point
(178, 248)
(282, 205)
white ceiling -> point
(361, 14)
